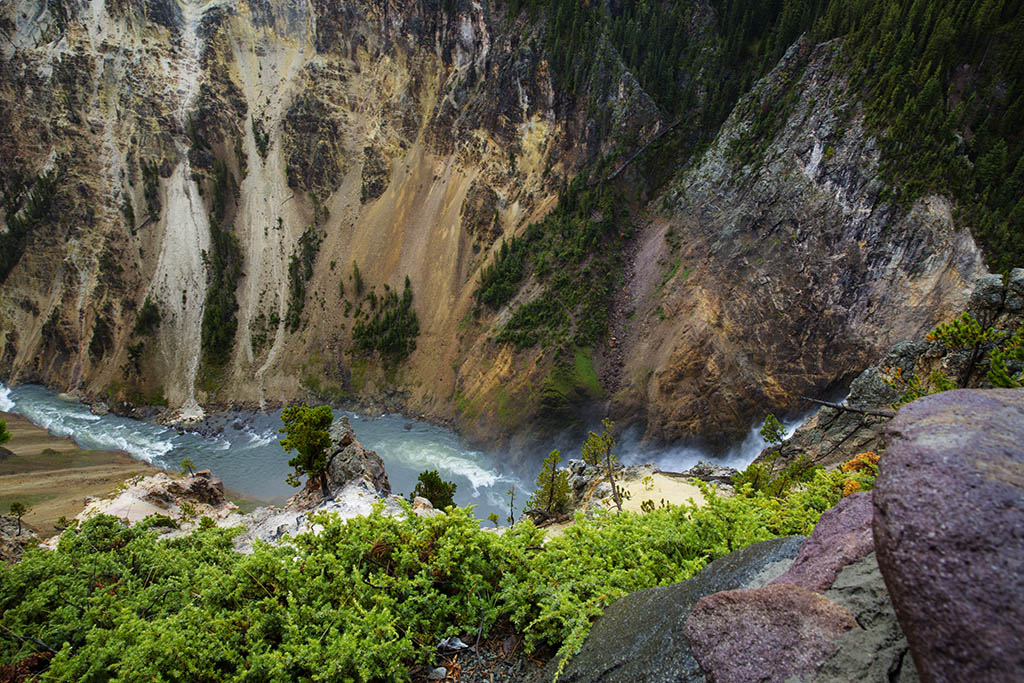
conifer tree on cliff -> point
(597, 452)
(552, 494)
(307, 432)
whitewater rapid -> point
(247, 455)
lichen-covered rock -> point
(949, 509)
(640, 637)
(841, 536)
(773, 633)
(876, 650)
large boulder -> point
(202, 487)
(349, 462)
(773, 633)
(802, 628)
(640, 637)
(841, 536)
(949, 514)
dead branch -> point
(840, 406)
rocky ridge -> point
(175, 506)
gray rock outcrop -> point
(949, 509)
(640, 637)
(347, 463)
(12, 543)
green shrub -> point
(223, 271)
(439, 492)
(148, 318)
(364, 598)
(300, 270)
(552, 494)
(393, 326)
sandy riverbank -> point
(54, 476)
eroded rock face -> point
(417, 137)
(790, 280)
(772, 633)
(640, 637)
(949, 509)
(831, 437)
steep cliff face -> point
(267, 172)
(772, 268)
(384, 127)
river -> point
(248, 457)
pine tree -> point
(552, 494)
(19, 510)
(597, 451)
(307, 432)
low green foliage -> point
(765, 477)
(363, 599)
(1003, 357)
(223, 271)
(261, 136)
(148, 319)
(151, 187)
(102, 338)
(575, 253)
(5, 435)
(300, 270)
(439, 492)
(996, 352)
(27, 204)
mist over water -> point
(683, 458)
(248, 457)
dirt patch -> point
(54, 476)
